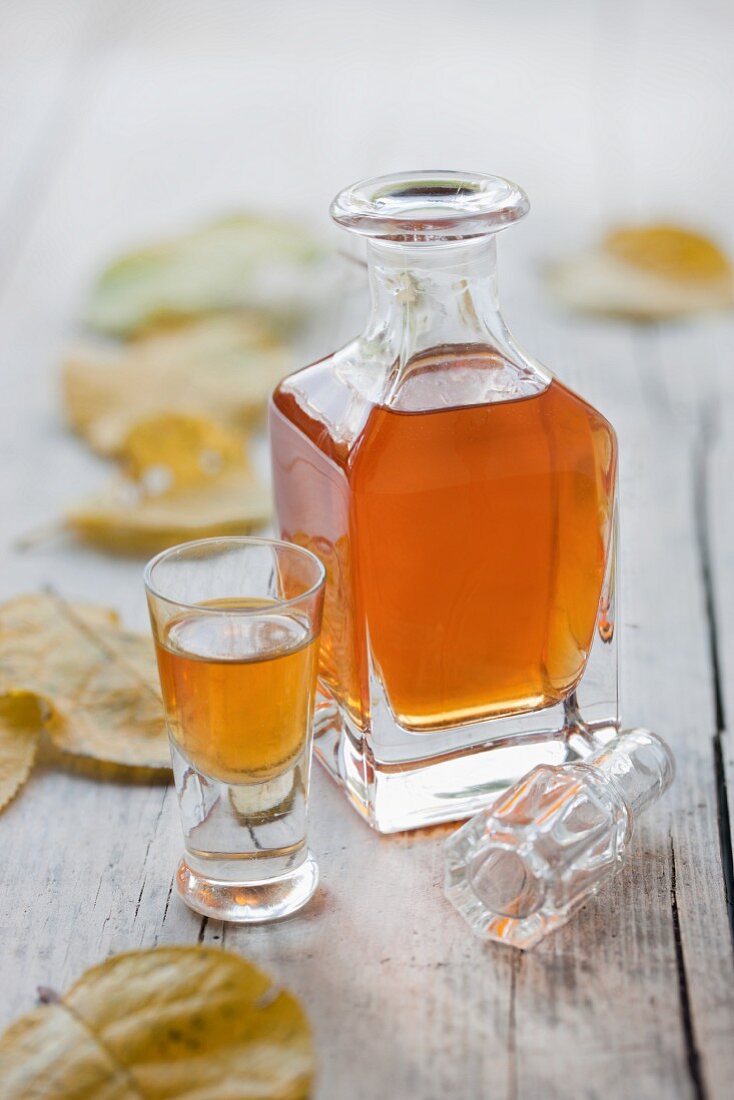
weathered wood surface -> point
(123, 119)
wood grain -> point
(124, 119)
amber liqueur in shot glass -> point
(236, 624)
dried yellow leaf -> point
(223, 367)
(188, 1022)
(187, 478)
(181, 451)
(647, 273)
(669, 251)
(94, 684)
(21, 723)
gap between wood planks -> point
(512, 1028)
(707, 435)
(693, 1054)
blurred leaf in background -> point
(646, 273)
(197, 334)
(241, 262)
(223, 367)
(184, 477)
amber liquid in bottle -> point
(465, 547)
(238, 689)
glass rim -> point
(430, 207)
(241, 540)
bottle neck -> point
(433, 296)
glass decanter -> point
(463, 503)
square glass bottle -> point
(463, 503)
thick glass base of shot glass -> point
(248, 902)
(246, 857)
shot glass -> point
(236, 625)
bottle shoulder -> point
(305, 380)
(325, 402)
(573, 400)
(578, 422)
(331, 400)
(359, 375)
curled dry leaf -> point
(21, 722)
(647, 273)
(72, 670)
(187, 478)
(170, 1022)
(244, 261)
(223, 367)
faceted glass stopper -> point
(520, 868)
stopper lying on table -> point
(519, 869)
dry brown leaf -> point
(647, 273)
(21, 723)
(95, 685)
(187, 478)
(223, 367)
(189, 1022)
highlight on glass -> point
(236, 624)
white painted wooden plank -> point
(667, 684)
(679, 368)
(52, 57)
(698, 376)
(39, 44)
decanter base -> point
(395, 795)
